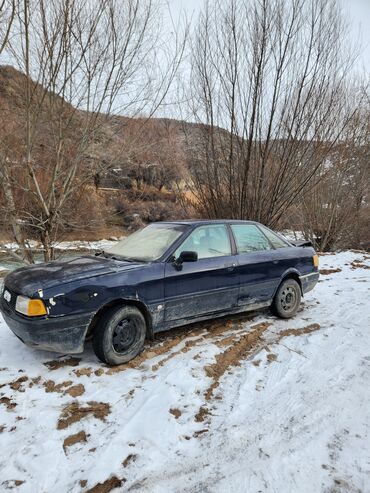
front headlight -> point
(31, 308)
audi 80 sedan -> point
(165, 275)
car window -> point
(276, 241)
(207, 241)
(249, 238)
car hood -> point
(28, 280)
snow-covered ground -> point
(64, 245)
(244, 404)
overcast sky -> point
(358, 12)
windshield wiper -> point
(103, 253)
(118, 257)
(125, 259)
(106, 255)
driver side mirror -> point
(185, 256)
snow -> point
(64, 245)
(294, 415)
(85, 245)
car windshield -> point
(149, 243)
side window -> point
(249, 238)
(207, 241)
(276, 241)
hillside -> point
(116, 129)
(137, 162)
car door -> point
(206, 286)
(259, 265)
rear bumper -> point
(61, 335)
(309, 281)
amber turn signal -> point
(31, 308)
(315, 259)
(36, 308)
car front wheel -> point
(287, 299)
(119, 335)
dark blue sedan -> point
(165, 275)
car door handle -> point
(230, 267)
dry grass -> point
(74, 412)
(175, 412)
(62, 363)
(73, 439)
(108, 485)
(326, 272)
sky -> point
(357, 12)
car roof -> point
(193, 222)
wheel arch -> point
(292, 274)
(122, 302)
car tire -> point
(287, 299)
(119, 335)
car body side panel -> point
(200, 288)
(299, 261)
(258, 277)
(262, 272)
(309, 281)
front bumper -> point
(309, 281)
(60, 334)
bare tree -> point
(81, 60)
(269, 82)
(151, 153)
(7, 14)
(332, 213)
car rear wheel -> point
(287, 299)
(119, 335)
